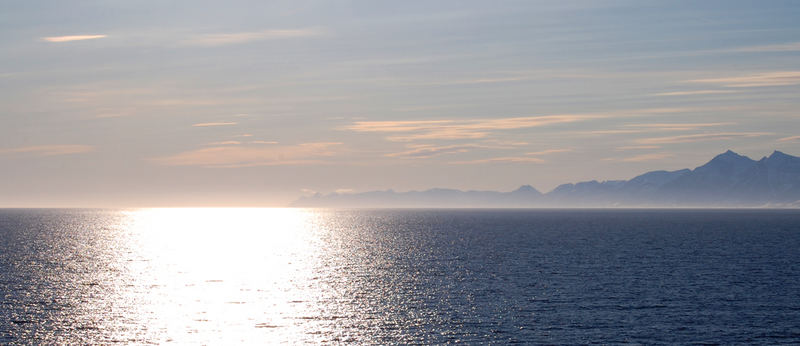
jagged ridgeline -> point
(728, 180)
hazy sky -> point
(200, 103)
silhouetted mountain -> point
(731, 180)
(728, 180)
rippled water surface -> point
(222, 276)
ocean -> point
(230, 276)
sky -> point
(256, 103)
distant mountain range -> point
(728, 180)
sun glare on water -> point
(229, 275)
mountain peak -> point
(777, 154)
(730, 153)
(729, 156)
(526, 189)
(726, 163)
(781, 159)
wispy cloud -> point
(215, 124)
(776, 78)
(511, 159)
(650, 128)
(701, 137)
(637, 147)
(425, 151)
(406, 131)
(432, 107)
(400, 60)
(504, 143)
(548, 152)
(642, 158)
(652, 111)
(510, 76)
(397, 126)
(789, 139)
(607, 132)
(459, 129)
(251, 156)
(784, 47)
(696, 92)
(491, 80)
(50, 150)
(245, 37)
(678, 126)
(444, 133)
(72, 38)
(225, 143)
(263, 142)
(529, 157)
(200, 101)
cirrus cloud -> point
(701, 137)
(529, 157)
(233, 156)
(775, 78)
(227, 123)
(511, 159)
(70, 38)
(696, 92)
(245, 37)
(789, 139)
(459, 128)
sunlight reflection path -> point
(220, 275)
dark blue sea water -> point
(222, 276)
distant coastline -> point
(729, 180)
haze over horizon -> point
(249, 103)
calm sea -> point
(227, 276)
